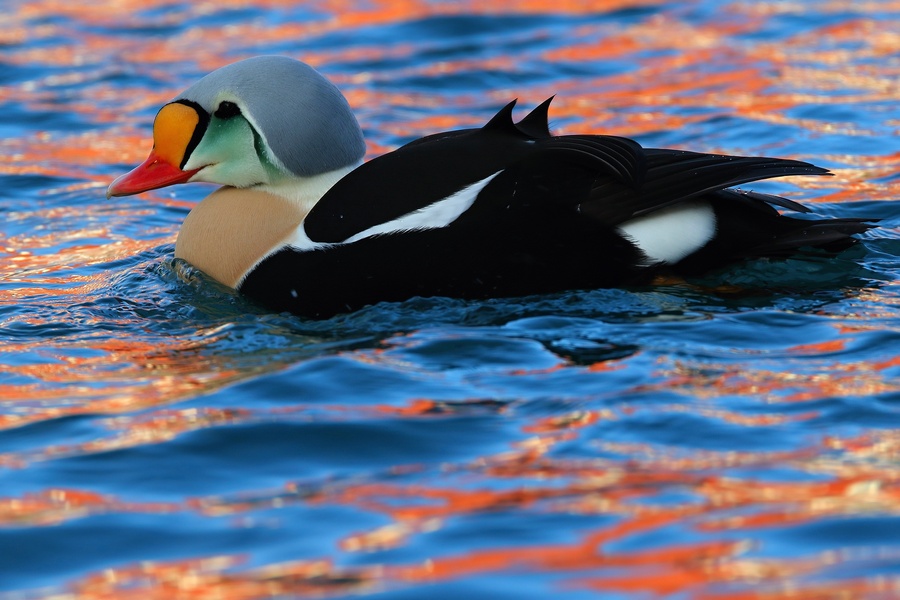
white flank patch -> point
(434, 216)
(668, 235)
(300, 241)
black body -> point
(546, 222)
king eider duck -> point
(301, 224)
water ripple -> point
(732, 436)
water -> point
(731, 437)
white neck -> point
(305, 191)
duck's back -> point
(510, 210)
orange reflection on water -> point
(207, 46)
(684, 571)
(72, 156)
(99, 375)
(728, 501)
(55, 506)
(724, 506)
(768, 381)
(215, 578)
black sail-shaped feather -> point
(536, 124)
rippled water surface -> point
(734, 437)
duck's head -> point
(262, 122)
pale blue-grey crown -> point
(305, 119)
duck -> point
(301, 223)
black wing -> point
(435, 167)
(604, 178)
(674, 176)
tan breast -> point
(232, 229)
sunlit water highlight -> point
(734, 437)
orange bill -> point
(174, 128)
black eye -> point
(227, 110)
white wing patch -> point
(434, 216)
(670, 234)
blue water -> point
(735, 434)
